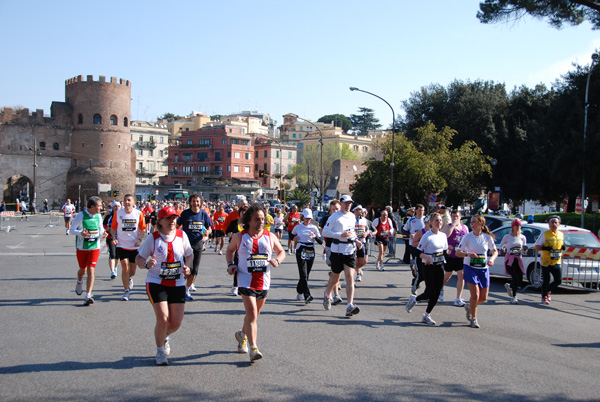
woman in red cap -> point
(167, 254)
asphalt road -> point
(55, 349)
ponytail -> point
(484, 228)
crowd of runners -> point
(168, 240)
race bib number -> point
(516, 251)
(221, 219)
(257, 263)
(360, 230)
(478, 262)
(128, 225)
(308, 254)
(384, 233)
(438, 258)
(93, 236)
(555, 254)
(196, 227)
(170, 270)
(295, 220)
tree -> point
(169, 116)
(339, 120)
(364, 121)
(558, 12)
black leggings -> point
(517, 275)
(304, 268)
(556, 275)
(434, 281)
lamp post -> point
(595, 57)
(493, 162)
(393, 135)
(321, 142)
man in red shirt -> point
(219, 219)
(292, 220)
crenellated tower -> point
(101, 138)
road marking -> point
(20, 245)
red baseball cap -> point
(166, 212)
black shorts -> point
(67, 219)
(381, 240)
(360, 252)
(124, 254)
(415, 252)
(219, 233)
(112, 249)
(161, 293)
(259, 294)
(339, 260)
(290, 235)
(197, 247)
(278, 230)
(453, 264)
(147, 220)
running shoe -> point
(113, 274)
(412, 301)
(327, 303)
(309, 299)
(203, 248)
(67, 232)
(458, 302)
(336, 300)
(188, 296)
(299, 297)
(441, 297)
(88, 301)
(381, 267)
(167, 346)
(474, 323)
(514, 300)
(427, 319)
(79, 288)
(242, 342)
(234, 291)
(549, 297)
(377, 264)
(161, 358)
(358, 278)
(468, 311)
(255, 354)
(220, 252)
(545, 301)
(352, 310)
(508, 289)
(130, 283)
(192, 288)
(125, 296)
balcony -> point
(146, 144)
(144, 172)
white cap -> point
(357, 207)
(307, 213)
(346, 198)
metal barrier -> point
(8, 221)
(54, 218)
(579, 269)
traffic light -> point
(116, 193)
(261, 173)
(109, 193)
(281, 194)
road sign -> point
(432, 197)
(325, 197)
(578, 205)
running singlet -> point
(219, 219)
(127, 227)
(170, 253)
(455, 238)
(293, 220)
(93, 224)
(254, 270)
(68, 209)
(554, 240)
(383, 229)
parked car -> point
(580, 259)
(492, 222)
(318, 215)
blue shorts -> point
(477, 276)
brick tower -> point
(102, 156)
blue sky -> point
(277, 56)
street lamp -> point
(595, 57)
(393, 135)
(321, 142)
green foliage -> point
(364, 121)
(558, 12)
(300, 197)
(169, 117)
(339, 120)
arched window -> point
(97, 119)
(80, 119)
(55, 146)
(42, 146)
(125, 121)
(113, 120)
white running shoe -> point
(242, 342)
(441, 298)
(327, 303)
(125, 296)
(458, 302)
(381, 267)
(412, 301)
(234, 291)
(474, 323)
(192, 288)
(358, 278)
(188, 296)
(220, 252)
(427, 319)
(255, 354)
(300, 297)
(79, 288)
(161, 358)
(508, 289)
(514, 300)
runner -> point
(363, 232)
(413, 225)
(257, 251)
(219, 219)
(196, 224)
(167, 255)
(278, 224)
(334, 206)
(514, 244)
(432, 245)
(127, 230)
(292, 219)
(551, 243)
(68, 209)
(232, 226)
(455, 231)
(147, 211)
(110, 246)
(475, 245)
(87, 226)
(384, 229)
(340, 227)
(305, 235)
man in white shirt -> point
(68, 209)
